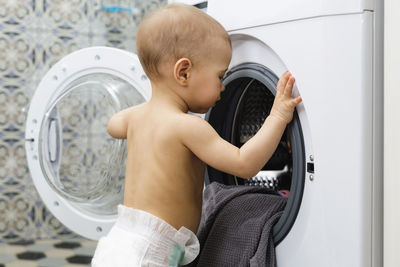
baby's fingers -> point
(296, 101)
(289, 86)
(280, 87)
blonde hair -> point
(173, 32)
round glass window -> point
(79, 159)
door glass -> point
(78, 157)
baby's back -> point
(163, 177)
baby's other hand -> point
(284, 103)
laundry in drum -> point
(284, 193)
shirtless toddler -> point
(185, 53)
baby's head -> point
(173, 32)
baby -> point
(185, 54)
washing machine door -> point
(77, 168)
(244, 105)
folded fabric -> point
(236, 226)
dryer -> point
(330, 157)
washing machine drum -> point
(244, 105)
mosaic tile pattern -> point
(34, 34)
(47, 253)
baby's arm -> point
(118, 124)
(247, 161)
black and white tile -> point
(75, 252)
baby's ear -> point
(182, 70)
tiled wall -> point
(34, 34)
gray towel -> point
(236, 226)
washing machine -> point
(328, 163)
(329, 160)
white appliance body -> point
(333, 50)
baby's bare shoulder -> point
(191, 126)
(136, 109)
(119, 123)
(135, 113)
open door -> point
(77, 168)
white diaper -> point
(139, 238)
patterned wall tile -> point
(16, 14)
(61, 15)
(12, 160)
(28, 48)
(23, 214)
(118, 29)
(34, 35)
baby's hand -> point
(284, 103)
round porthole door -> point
(77, 168)
(244, 105)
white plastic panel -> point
(392, 133)
(331, 59)
(237, 14)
